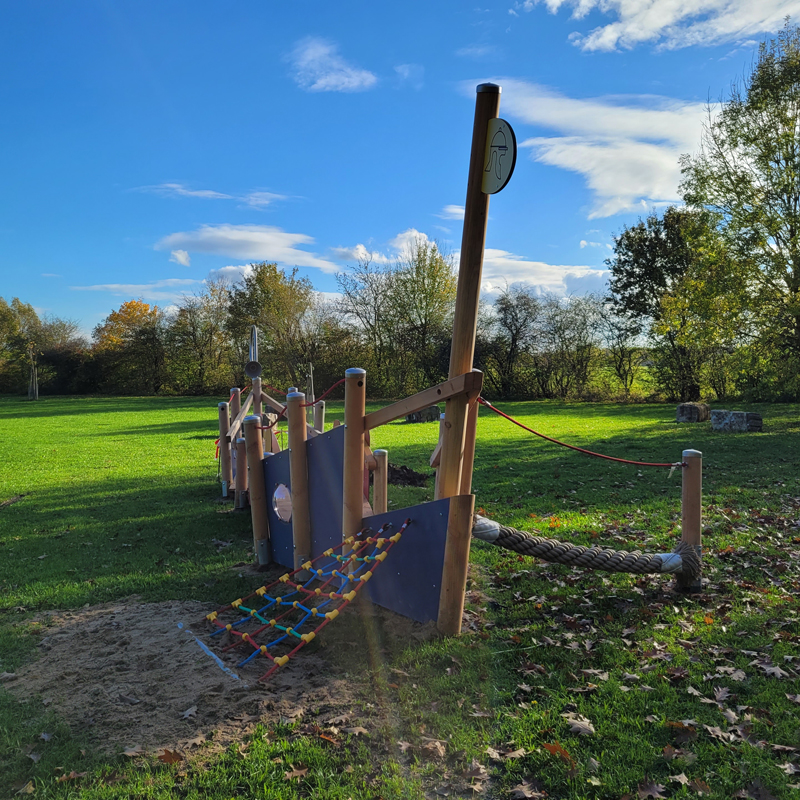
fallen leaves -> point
(579, 724)
(133, 751)
(170, 757)
(295, 773)
(190, 712)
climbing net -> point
(278, 619)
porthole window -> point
(282, 502)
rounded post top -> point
(235, 389)
(355, 372)
(380, 452)
(291, 390)
(295, 395)
(223, 405)
(489, 88)
(692, 454)
(252, 419)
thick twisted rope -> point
(684, 559)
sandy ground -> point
(133, 674)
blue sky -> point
(147, 147)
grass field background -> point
(120, 500)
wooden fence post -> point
(380, 482)
(298, 470)
(692, 509)
(456, 563)
(258, 489)
(236, 402)
(225, 465)
(355, 392)
(241, 474)
(469, 448)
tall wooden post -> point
(298, 470)
(258, 489)
(225, 465)
(465, 322)
(319, 416)
(380, 482)
(470, 436)
(241, 474)
(476, 214)
(355, 393)
(236, 402)
(692, 509)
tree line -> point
(703, 300)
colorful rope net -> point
(330, 583)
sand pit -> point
(133, 674)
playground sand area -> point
(132, 676)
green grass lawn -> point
(565, 684)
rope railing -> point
(666, 465)
(683, 560)
(324, 395)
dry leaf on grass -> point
(680, 779)
(28, 788)
(295, 772)
(190, 712)
(526, 791)
(71, 776)
(579, 724)
(404, 746)
(356, 731)
(170, 756)
(133, 751)
(650, 789)
(557, 750)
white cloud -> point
(451, 212)
(261, 199)
(180, 257)
(359, 253)
(412, 74)
(670, 23)
(170, 290)
(249, 243)
(50, 275)
(255, 199)
(318, 67)
(502, 268)
(407, 239)
(584, 243)
(229, 275)
(625, 147)
(476, 51)
(179, 190)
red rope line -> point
(579, 449)
(273, 389)
(272, 424)
(323, 396)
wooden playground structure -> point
(307, 499)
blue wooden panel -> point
(276, 471)
(325, 455)
(409, 581)
(326, 488)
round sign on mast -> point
(500, 157)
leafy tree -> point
(517, 312)
(199, 345)
(652, 260)
(423, 296)
(748, 173)
(277, 304)
(129, 349)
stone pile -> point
(736, 421)
(693, 412)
